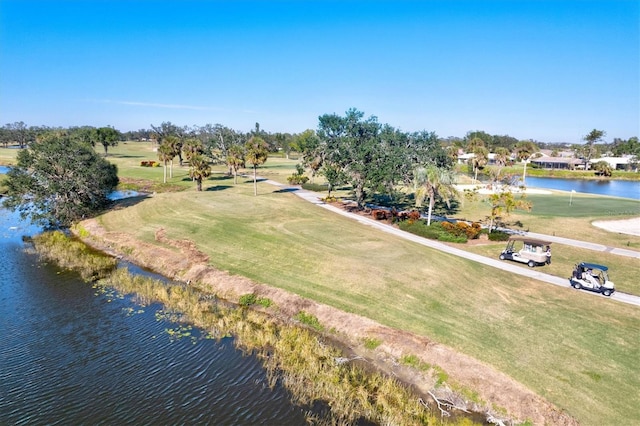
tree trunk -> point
(255, 181)
(165, 172)
(199, 184)
(432, 200)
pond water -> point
(613, 188)
(121, 195)
(72, 355)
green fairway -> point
(544, 336)
(585, 205)
(576, 350)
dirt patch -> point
(181, 260)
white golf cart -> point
(592, 277)
(527, 250)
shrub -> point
(251, 299)
(248, 299)
(415, 362)
(450, 238)
(265, 302)
(498, 236)
(473, 231)
(456, 233)
(372, 343)
(297, 179)
(309, 320)
(414, 215)
(380, 214)
(421, 229)
(436, 231)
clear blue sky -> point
(545, 70)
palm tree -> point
(165, 154)
(505, 202)
(192, 147)
(603, 168)
(174, 145)
(525, 151)
(431, 182)
(256, 154)
(235, 160)
(480, 159)
(501, 158)
(199, 169)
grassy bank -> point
(543, 336)
(309, 366)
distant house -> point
(616, 163)
(464, 158)
(563, 163)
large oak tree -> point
(59, 180)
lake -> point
(74, 355)
(612, 188)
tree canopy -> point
(256, 153)
(59, 180)
(107, 136)
(368, 155)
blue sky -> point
(545, 70)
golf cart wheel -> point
(576, 285)
(531, 264)
(502, 257)
(606, 292)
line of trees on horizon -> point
(374, 159)
(220, 136)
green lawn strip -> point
(8, 156)
(280, 240)
(623, 271)
(552, 215)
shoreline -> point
(496, 389)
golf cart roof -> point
(593, 266)
(528, 240)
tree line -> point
(217, 138)
(373, 158)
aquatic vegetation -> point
(298, 356)
(73, 255)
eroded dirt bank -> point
(181, 260)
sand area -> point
(623, 226)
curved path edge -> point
(315, 198)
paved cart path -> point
(315, 198)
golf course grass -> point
(578, 351)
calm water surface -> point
(72, 355)
(613, 188)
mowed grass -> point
(578, 351)
(8, 156)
